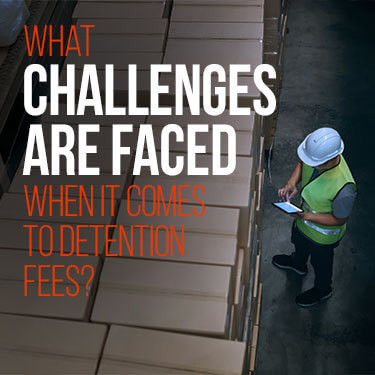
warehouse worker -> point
(328, 191)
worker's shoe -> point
(312, 297)
(285, 262)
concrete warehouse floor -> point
(328, 80)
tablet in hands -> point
(287, 207)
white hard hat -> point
(320, 146)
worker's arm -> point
(290, 189)
(323, 219)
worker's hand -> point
(300, 215)
(287, 192)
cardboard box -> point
(244, 99)
(217, 193)
(125, 1)
(39, 346)
(218, 2)
(201, 248)
(13, 235)
(174, 309)
(118, 10)
(222, 13)
(12, 285)
(102, 139)
(244, 175)
(13, 206)
(121, 87)
(30, 363)
(240, 123)
(86, 182)
(120, 43)
(217, 30)
(244, 142)
(152, 351)
(120, 60)
(196, 248)
(102, 159)
(247, 129)
(125, 27)
(126, 43)
(177, 278)
(13, 262)
(232, 191)
(222, 52)
(88, 118)
(110, 367)
(203, 316)
(218, 220)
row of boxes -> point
(204, 32)
(31, 345)
(197, 312)
(153, 305)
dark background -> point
(329, 80)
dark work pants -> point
(321, 258)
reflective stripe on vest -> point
(306, 206)
(327, 232)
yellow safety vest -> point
(317, 196)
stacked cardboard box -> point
(171, 296)
(125, 32)
(21, 293)
(32, 345)
(247, 131)
(14, 236)
(223, 32)
(13, 206)
(190, 312)
(138, 351)
(106, 178)
(240, 22)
